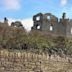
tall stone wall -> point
(51, 24)
(31, 62)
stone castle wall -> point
(50, 23)
(31, 62)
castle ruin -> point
(50, 23)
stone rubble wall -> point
(31, 62)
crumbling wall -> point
(51, 24)
(69, 29)
(38, 21)
(62, 25)
(45, 21)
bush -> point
(36, 41)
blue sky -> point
(27, 8)
(23, 10)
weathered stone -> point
(41, 64)
(52, 25)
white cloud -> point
(64, 2)
(11, 4)
(27, 23)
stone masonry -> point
(50, 23)
(30, 62)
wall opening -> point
(38, 27)
(71, 30)
(51, 28)
(38, 18)
(48, 17)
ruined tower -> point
(52, 24)
(38, 20)
(45, 22)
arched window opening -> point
(38, 18)
(38, 27)
(48, 17)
